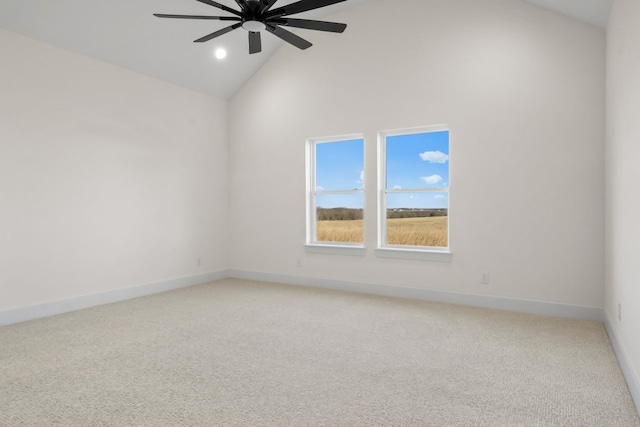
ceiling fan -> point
(256, 16)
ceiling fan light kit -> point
(255, 26)
(256, 16)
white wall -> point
(623, 179)
(108, 179)
(522, 90)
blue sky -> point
(418, 161)
(339, 165)
(414, 161)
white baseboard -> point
(496, 302)
(627, 368)
(485, 301)
(37, 311)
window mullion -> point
(337, 192)
(416, 190)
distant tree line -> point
(338, 214)
(345, 214)
(415, 213)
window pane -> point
(418, 219)
(340, 165)
(339, 218)
(418, 160)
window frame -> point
(384, 250)
(312, 244)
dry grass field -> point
(428, 231)
(340, 231)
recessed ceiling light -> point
(220, 53)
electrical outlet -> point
(619, 312)
(299, 263)
(199, 262)
(484, 277)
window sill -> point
(335, 249)
(417, 254)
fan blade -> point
(243, 5)
(266, 5)
(219, 18)
(218, 33)
(255, 42)
(301, 6)
(289, 37)
(220, 6)
(332, 27)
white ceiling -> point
(125, 33)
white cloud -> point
(434, 157)
(361, 180)
(440, 197)
(397, 187)
(320, 188)
(433, 179)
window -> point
(335, 191)
(413, 179)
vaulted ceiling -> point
(125, 33)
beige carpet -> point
(240, 353)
